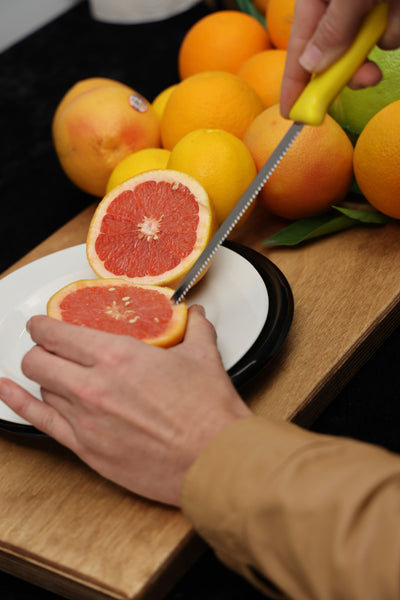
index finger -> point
(295, 77)
(78, 344)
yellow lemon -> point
(138, 162)
(161, 100)
(220, 161)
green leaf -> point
(318, 226)
(248, 7)
(365, 216)
(307, 229)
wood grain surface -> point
(68, 530)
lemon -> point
(138, 162)
(219, 161)
(352, 109)
(161, 100)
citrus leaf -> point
(321, 225)
(248, 7)
(365, 216)
(307, 229)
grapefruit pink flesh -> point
(116, 306)
(151, 228)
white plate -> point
(233, 293)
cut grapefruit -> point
(151, 228)
(117, 306)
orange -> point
(144, 312)
(96, 129)
(220, 162)
(264, 72)
(151, 228)
(221, 41)
(376, 160)
(280, 16)
(147, 159)
(316, 171)
(214, 100)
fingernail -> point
(310, 58)
(4, 390)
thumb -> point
(334, 33)
(200, 337)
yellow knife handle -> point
(314, 102)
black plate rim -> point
(279, 318)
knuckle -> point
(93, 395)
(87, 430)
(47, 423)
(27, 362)
(87, 391)
(117, 352)
(329, 34)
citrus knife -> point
(310, 108)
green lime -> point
(352, 109)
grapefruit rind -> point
(94, 130)
(172, 276)
(117, 306)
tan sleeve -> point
(312, 516)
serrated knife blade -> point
(310, 108)
(235, 215)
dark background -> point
(36, 199)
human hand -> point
(137, 414)
(322, 31)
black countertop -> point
(36, 199)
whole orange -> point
(316, 171)
(279, 16)
(221, 41)
(214, 100)
(96, 129)
(264, 72)
(377, 160)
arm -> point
(317, 516)
(321, 32)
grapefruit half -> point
(151, 228)
(117, 306)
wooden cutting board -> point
(68, 530)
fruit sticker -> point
(138, 102)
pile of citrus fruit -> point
(170, 170)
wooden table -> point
(68, 530)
